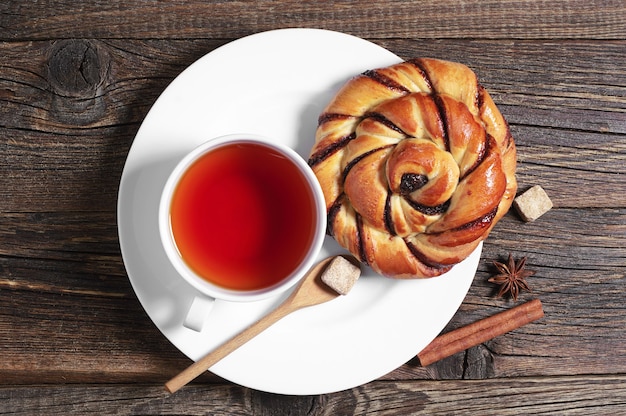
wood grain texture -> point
(580, 277)
(551, 395)
(553, 127)
(64, 142)
(591, 19)
(59, 241)
(77, 79)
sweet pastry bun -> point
(417, 165)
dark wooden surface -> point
(76, 80)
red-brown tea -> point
(243, 216)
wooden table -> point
(76, 80)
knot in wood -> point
(76, 68)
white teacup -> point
(241, 219)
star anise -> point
(512, 277)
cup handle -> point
(198, 313)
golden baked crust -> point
(417, 165)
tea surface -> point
(243, 217)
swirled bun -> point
(417, 165)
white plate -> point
(274, 84)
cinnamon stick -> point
(481, 331)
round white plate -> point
(274, 84)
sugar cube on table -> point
(532, 204)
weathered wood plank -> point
(550, 395)
(61, 273)
(583, 94)
(78, 77)
(50, 119)
(53, 259)
(53, 333)
(46, 19)
(64, 142)
(580, 276)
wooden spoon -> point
(311, 291)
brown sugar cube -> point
(341, 275)
(532, 204)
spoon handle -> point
(308, 292)
(229, 346)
